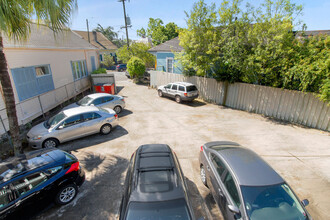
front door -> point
(93, 63)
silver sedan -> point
(104, 100)
(72, 124)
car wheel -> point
(66, 194)
(160, 93)
(51, 142)
(178, 99)
(203, 175)
(117, 109)
(105, 129)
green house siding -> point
(161, 62)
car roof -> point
(184, 83)
(79, 110)
(155, 165)
(23, 163)
(249, 168)
(97, 95)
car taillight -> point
(123, 99)
(116, 116)
(74, 167)
(201, 148)
(185, 94)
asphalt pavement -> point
(300, 155)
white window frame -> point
(82, 69)
(167, 59)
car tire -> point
(66, 194)
(160, 93)
(50, 142)
(203, 175)
(178, 99)
(117, 109)
(106, 129)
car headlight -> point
(36, 138)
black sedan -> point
(245, 187)
(31, 179)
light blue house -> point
(165, 56)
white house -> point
(46, 70)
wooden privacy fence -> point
(287, 105)
(32, 108)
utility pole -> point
(88, 31)
(123, 1)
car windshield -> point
(54, 120)
(191, 88)
(168, 210)
(84, 101)
(272, 202)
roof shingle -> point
(103, 42)
(168, 46)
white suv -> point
(181, 91)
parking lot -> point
(300, 155)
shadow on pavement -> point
(195, 103)
(119, 88)
(124, 113)
(95, 139)
(100, 196)
(199, 207)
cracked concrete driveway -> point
(300, 155)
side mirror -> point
(233, 209)
(305, 202)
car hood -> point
(73, 105)
(160, 87)
(38, 130)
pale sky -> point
(316, 13)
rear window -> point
(69, 157)
(191, 88)
(23, 165)
(168, 210)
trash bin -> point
(105, 88)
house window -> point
(32, 81)
(101, 57)
(79, 69)
(42, 70)
(169, 65)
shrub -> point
(136, 67)
(108, 60)
(99, 71)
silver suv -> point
(181, 91)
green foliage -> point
(136, 67)
(199, 40)
(139, 50)
(99, 71)
(15, 15)
(311, 69)
(108, 60)
(158, 32)
(107, 32)
(254, 45)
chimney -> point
(95, 36)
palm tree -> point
(107, 32)
(15, 21)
